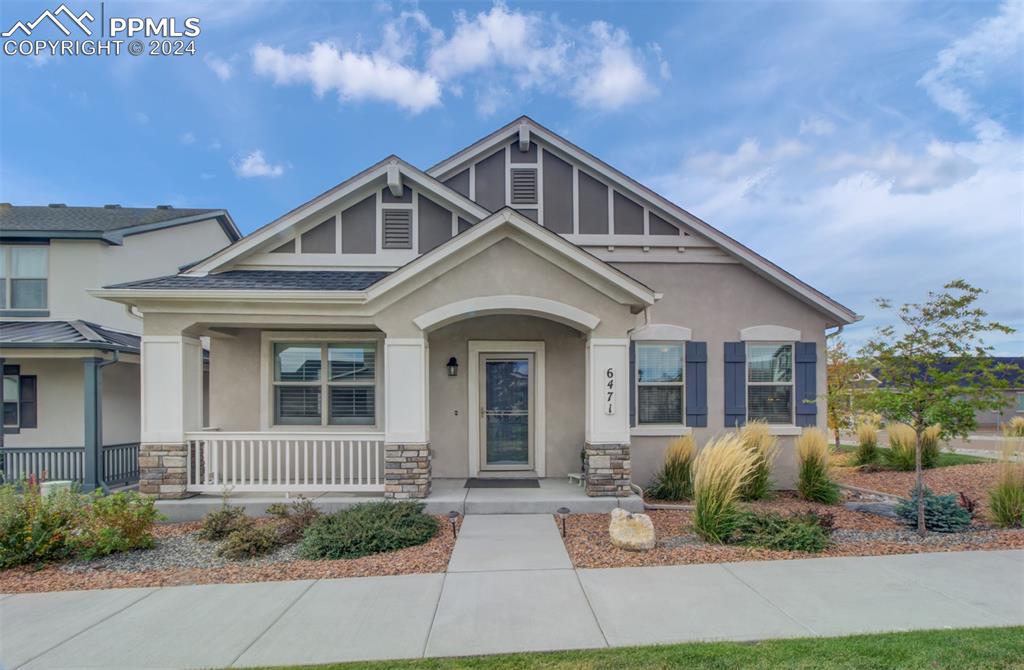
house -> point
(71, 361)
(520, 309)
(1012, 371)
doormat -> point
(478, 483)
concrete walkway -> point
(509, 588)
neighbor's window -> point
(12, 398)
(659, 383)
(770, 382)
(320, 383)
(23, 270)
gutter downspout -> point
(93, 462)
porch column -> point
(172, 404)
(606, 448)
(406, 431)
(93, 458)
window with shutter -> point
(524, 186)
(397, 228)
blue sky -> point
(872, 149)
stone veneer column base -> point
(162, 470)
(608, 470)
(406, 471)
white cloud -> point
(141, 118)
(939, 166)
(749, 158)
(187, 138)
(817, 126)
(618, 78)
(220, 67)
(497, 49)
(254, 164)
(993, 41)
(355, 76)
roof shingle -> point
(88, 219)
(65, 334)
(267, 280)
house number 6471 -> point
(609, 391)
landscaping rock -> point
(634, 532)
(888, 510)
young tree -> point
(841, 388)
(937, 367)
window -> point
(321, 383)
(1020, 402)
(19, 399)
(770, 382)
(23, 270)
(659, 381)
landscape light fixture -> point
(562, 512)
(453, 367)
(453, 518)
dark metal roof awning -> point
(65, 335)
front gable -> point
(382, 218)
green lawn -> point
(982, 648)
(945, 457)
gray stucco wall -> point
(235, 381)
(564, 388)
(716, 301)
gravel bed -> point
(856, 534)
(181, 558)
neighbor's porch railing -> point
(273, 461)
(120, 463)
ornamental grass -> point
(814, 483)
(675, 479)
(757, 438)
(867, 444)
(1014, 428)
(930, 446)
(1006, 498)
(902, 443)
(719, 473)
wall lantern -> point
(453, 367)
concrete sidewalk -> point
(481, 606)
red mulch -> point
(974, 480)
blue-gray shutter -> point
(735, 384)
(697, 384)
(632, 383)
(28, 412)
(806, 358)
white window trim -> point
(664, 429)
(267, 341)
(782, 428)
(7, 278)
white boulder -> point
(634, 532)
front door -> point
(506, 411)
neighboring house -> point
(71, 361)
(1013, 395)
(520, 309)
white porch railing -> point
(273, 461)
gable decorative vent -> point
(524, 186)
(397, 228)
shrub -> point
(719, 472)
(34, 527)
(867, 444)
(902, 443)
(675, 479)
(757, 438)
(220, 523)
(942, 514)
(116, 522)
(813, 480)
(367, 528)
(293, 518)
(1006, 498)
(250, 540)
(771, 530)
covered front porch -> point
(502, 353)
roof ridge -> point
(85, 330)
